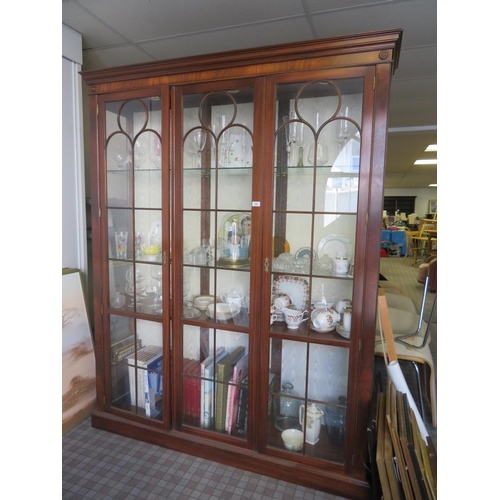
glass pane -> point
(307, 404)
(217, 221)
(137, 366)
(147, 239)
(133, 153)
(211, 390)
(136, 287)
(317, 148)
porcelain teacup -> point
(294, 318)
(282, 300)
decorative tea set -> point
(324, 317)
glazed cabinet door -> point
(315, 255)
(135, 276)
(214, 178)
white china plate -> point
(323, 330)
(222, 311)
(343, 333)
(331, 244)
(305, 252)
(297, 288)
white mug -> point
(342, 305)
(294, 318)
(347, 320)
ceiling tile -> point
(113, 56)
(418, 29)
(94, 32)
(289, 30)
(172, 17)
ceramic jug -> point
(312, 424)
(325, 318)
(232, 298)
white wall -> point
(74, 237)
(422, 197)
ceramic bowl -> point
(203, 301)
(293, 439)
(222, 311)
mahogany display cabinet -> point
(236, 208)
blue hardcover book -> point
(153, 387)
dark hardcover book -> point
(195, 393)
(241, 416)
(240, 371)
(224, 372)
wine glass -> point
(199, 138)
(300, 144)
(118, 150)
(319, 147)
(140, 152)
(343, 136)
(344, 127)
(287, 139)
(156, 147)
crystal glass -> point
(199, 138)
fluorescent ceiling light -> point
(426, 162)
(431, 147)
(433, 185)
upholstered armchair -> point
(429, 268)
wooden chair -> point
(409, 243)
(425, 238)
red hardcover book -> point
(187, 386)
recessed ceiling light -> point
(431, 147)
(426, 162)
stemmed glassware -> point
(135, 286)
(343, 128)
(287, 139)
(156, 152)
(118, 150)
(156, 288)
(140, 152)
(300, 144)
(320, 148)
(199, 138)
(343, 135)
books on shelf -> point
(270, 391)
(124, 348)
(148, 356)
(224, 371)
(207, 373)
(192, 391)
(241, 414)
(153, 388)
(240, 371)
